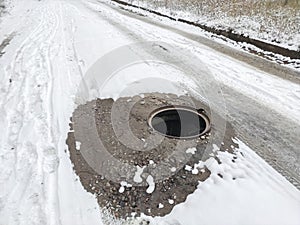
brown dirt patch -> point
(105, 183)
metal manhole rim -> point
(200, 112)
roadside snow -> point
(269, 21)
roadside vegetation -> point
(277, 21)
(2, 7)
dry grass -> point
(275, 20)
(232, 8)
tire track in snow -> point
(29, 138)
(73, 75)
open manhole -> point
(179, 122)
(172, 115)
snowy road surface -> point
(53, 45)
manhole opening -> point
(179, 122)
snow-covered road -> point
(53, 45)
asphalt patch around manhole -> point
(115, 187)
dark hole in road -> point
(179, 122)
